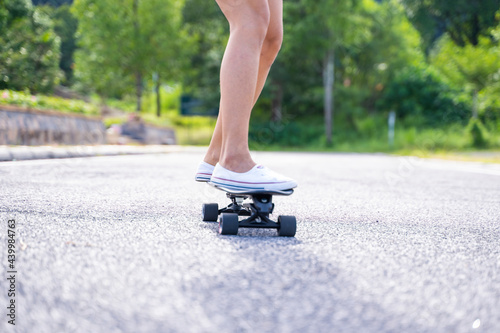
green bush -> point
(478, 133)
(292, 134)
(422, 93)
(370, 126)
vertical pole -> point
(276, 101)
(156, 80)
(138, 73)
(391, 122)
(474, 104)
(328, 81)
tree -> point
(65, 26)
(121, 41)
(168, 43)
(208, 31)
(391, 45)
(325, 27)
(29, 48)
(374, 42)
(53, 3)
(424, 95)
(472, 67)
(464, 20)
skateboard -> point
(255, 213)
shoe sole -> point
(202, 177)
(249, 186)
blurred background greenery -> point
(344, 67)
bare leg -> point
(272, 44)
(241, 74)
(213, 153)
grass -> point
(449, 142)
(469, 155)
(43, 102)
(190, 130)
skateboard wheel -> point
(228, 224)
(210, 212)
(287, 225)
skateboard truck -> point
(256, 213)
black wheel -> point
(228, 224)
(210, 212)
(287, 225)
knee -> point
(254, 26)
(272, 42)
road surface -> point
(383, 244)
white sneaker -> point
(258, 178)
(204, 172)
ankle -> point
(211, 158)
(237, 163)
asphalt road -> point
(384, 244)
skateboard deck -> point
(255, 213)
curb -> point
(20, 153)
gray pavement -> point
(384, 244)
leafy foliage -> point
(463, 20)
(65, 26)
(478, 133)
(54, 3)
(208, 31)
(424, 96)
(29, 48)
(472, 67)
(475, 70)
(435, 62)
(366, 61)
(120, 40)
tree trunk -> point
(158, 96)
(138, 74)
(138, 90)
(276, 101)
(328, 82)
(474, 104)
